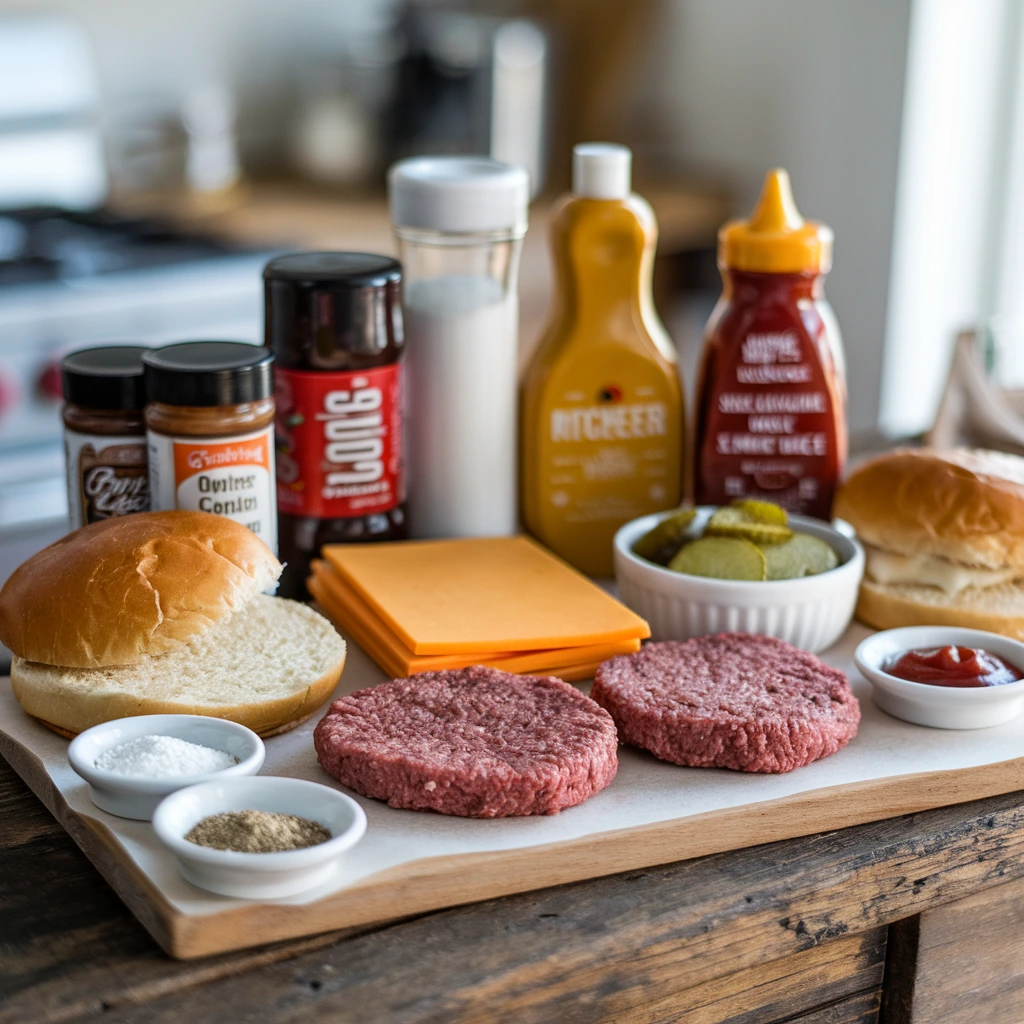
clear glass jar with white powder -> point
(460, 223)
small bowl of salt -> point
(131, 764)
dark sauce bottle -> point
(334, 324)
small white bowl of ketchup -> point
(958, 678)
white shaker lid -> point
(458, 193)
(601, 170)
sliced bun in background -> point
(269, 667)
(121, 590)
(997, 609)
(965, 505)
(944, 536)
(164, 612)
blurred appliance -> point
(473, 84)
(69, 279)
(345, 83)
(73, 274)
(51, 150)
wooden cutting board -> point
(411, 862)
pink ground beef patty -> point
(733, 700)
(473, 742)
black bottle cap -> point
(324, 307)
(110, 377)
(208, 373)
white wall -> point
(152, 52)
(816, 86)
(957, 255)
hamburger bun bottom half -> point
(268, 666)
(998, 609)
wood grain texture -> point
(421, 886)
(784, 989)
(68, 945)
(900, 977)
(969, 964)
(579, 953)
(862, 1009)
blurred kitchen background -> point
(153, 154)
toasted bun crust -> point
(267, 719)
(965, 505)
(996, 609)
(228, 673)
(287, 727)
(121, 590)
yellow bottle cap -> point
(776, 239)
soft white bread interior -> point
(119, 591)
(998, 609)
(269, 666)
(964, 505)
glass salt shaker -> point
(460, 221)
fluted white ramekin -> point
(812, 612)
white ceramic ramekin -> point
(812, 612)
(130, 796)
(940, 707)
(259, 875)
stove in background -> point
(72, 279)
(73, 274)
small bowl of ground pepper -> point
(260, 837)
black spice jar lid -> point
(338, 269)
(326, 303)
(209, 373)
(110, 377)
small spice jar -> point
(104, 433)
(210, 431)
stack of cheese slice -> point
(506, 602)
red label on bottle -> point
(771, 421)
(339, 442)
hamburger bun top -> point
(964, 505)
(120, 590)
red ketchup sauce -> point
(953, 666)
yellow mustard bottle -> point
(602, 405)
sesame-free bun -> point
(123, 590)
(998, 609)
(964, 505)
(269, 667)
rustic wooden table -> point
(910, 920)
(919, 919)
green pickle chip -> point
(762, 511)
(804, 555)
(660, 544)
(724, 558)
(733, 521)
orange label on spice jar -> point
(232, 477)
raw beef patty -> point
(733, 700)
(474, 742)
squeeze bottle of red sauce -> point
(771, 397)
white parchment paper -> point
(645, 790)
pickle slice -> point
(661, 544)
(762, 511)
(735, 522)
(804, 555)
(723, 558)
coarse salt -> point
(162, 757)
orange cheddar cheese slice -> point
(343, 606)
(481, 595)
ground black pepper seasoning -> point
(257, 832)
